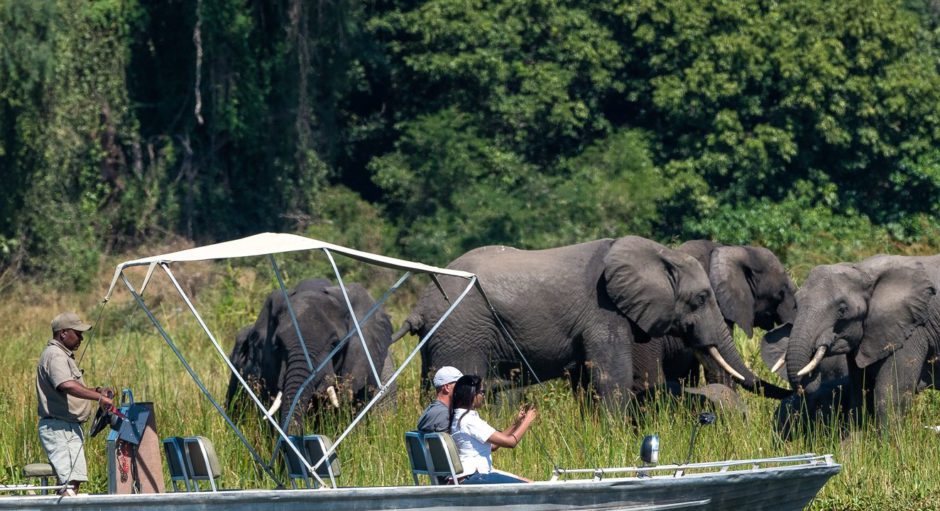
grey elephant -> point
(574, 311)
(822, 403)
(270, 356)
(883, 316)
(752, 289)
(773, 351)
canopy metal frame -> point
(255, 246)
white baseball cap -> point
(445, 375)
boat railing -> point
(598, 474)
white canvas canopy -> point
(273, 243)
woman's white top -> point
(470, 438)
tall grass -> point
(894, 468)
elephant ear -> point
(899, 303)
(642, 278)
(774, 345)
(730, 274)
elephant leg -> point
(389, 401)
(930, 375)
(648, 364)
(608, 353)
(897, 379)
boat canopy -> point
(269, 243)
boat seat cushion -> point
(38, 470)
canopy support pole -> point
(202, 387)
(384, 388)
(352, 314)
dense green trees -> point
(455, 123)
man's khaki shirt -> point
(56, 366)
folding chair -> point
(312, 448)
(176, 461)
(418, 456)
(316, 446)
(295, 467)
(443, 460)
(201, 462)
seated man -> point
(436, 418)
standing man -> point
(64, 401)
(436, 416)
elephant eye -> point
(843, 308)
(701, 299)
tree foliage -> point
(451, 124)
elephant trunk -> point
(296, 373)
(746, 377)
(406, 328)
(811, 336)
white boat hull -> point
(782, 488)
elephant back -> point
(701, 250)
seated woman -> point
(475, 439)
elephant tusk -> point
(276, 404)
(331, 391)
(820, 353)
(713, 351)
(779, 363)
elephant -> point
(269, 354)
(882, 314)
(752, 289)
(828, 405)
(575, 311)
(773, 351)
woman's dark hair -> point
(465, 390)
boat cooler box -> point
(135, 463)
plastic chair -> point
(443, 459)
(316, 446)
(296, 470)
(201, 462)
(176, 462)
(312, 448)
(418, 456)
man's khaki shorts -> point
(64, 445)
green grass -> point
(889, 469)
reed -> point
(888, 469)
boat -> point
(779, 483)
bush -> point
(805, 230)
